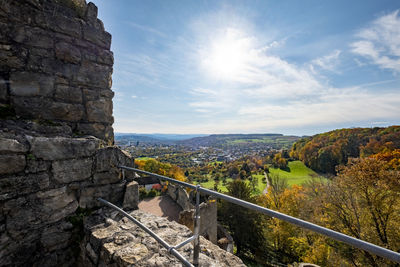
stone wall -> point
(56, 65)
(55, 128)
(43, 181)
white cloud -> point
(328, 62)
(251, 88)
(134, 96)
(380, 42)
(345, 105)
(240, 70)
(243, 85)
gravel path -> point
(162, 206)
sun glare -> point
(227, 54)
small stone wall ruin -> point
(208, 211)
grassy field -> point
(261, 185)
(298, 173)
(210, 184)
(143, 158)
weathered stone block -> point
(16, 252)
(4, 27)
(63, 24)
(111, 157)
(100, 110)
(172, 191)
(183, 199)
(34, 166)
(91, 95)
(56, 237)
(110, 177)
(68, 94)
(12, 163)
(56, 204)
(106, 57)
(97, 36)
(38, 210)
(37, 107)
(112, 193)
(131, 197)
(13, 186)
(33, 36)
(96, 129)
(91, 13)
(31, 84)
(68, 171)
(93, 74)
(3, 90)
(68, 52)
(49, 127)
(62, 148)
(91, 253)
(13, 58)
(65, 112)
(101, 56)
(12, 146)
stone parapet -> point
(111, 240)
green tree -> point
(244, 224)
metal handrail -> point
(377, 250)
(170, 249)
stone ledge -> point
(119, 242)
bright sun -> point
(227, 55)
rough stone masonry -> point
(55, 129)
(56, 137)
(56, 65)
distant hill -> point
(277, 141)
(124, 138)
(323, 152)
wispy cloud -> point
(147, 29)
(380, 42)
(328, 62)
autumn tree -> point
(363, 201)
(279, 162)
(323, 152)
(284, 239)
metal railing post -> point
(196, 250)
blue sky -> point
(291, 67)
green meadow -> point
(296, 174)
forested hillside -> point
(323, 152)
